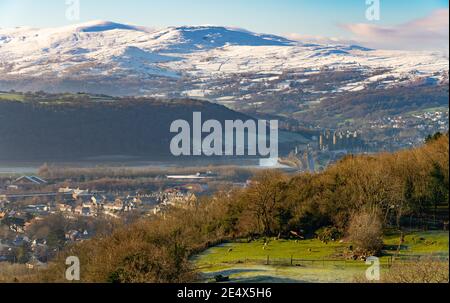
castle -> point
(340, 140)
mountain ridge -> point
(231, 66)
(30, 52)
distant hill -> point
(367, 105)
(71, 127)
(74, 127)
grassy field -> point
(12, 97)
(420, 243)
(306, 261)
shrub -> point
(366, 233)
(424, 271)
(328, 234)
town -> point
(36, 223)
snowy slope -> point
(102, 49)
(37, 52)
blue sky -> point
(303, 17)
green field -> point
(308, 260)
(12, 97)
(421, 243)
(53, 99)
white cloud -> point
(428, 33)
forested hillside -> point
(73, 127)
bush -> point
(423, 271)
(328, 234)
(366, 233)
(10, 273)
(159, 266)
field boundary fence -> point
(324, 262)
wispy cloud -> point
(429, 33)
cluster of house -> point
(72, 203)
(76, 202)
(88, 204)
(174, 197)
(85, 203)
(38, 249)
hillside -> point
(364, 106)
(73, 127)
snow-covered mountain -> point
(111, 46)
(101, 56)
